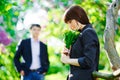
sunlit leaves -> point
(97, 1)
(5, 5)
(8, 7)
(118, 20)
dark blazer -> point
(86, 49)
(24, 50)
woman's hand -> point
(66, 51)
(65, 56)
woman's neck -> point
(82, 26)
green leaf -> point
(8, 7)
(70, 37)
(118, 20)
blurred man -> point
(34, 54)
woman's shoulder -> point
(88, 31)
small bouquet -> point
(70, 37)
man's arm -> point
(17, 56)
(47, 63)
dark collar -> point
(87, 26)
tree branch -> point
(107, 76)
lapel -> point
(40, 49)
(30, 48)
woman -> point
(84, 53)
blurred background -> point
(17, 15)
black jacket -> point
(86, 49)
(24, 50)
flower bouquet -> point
(70, 37)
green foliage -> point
(70, 37)
(5, 5)
(9, 12)
(118, 20)
(56, 67)
(7, 69)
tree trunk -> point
(109, 34)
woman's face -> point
(73, 24)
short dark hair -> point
(37, 25)
(77, 13)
